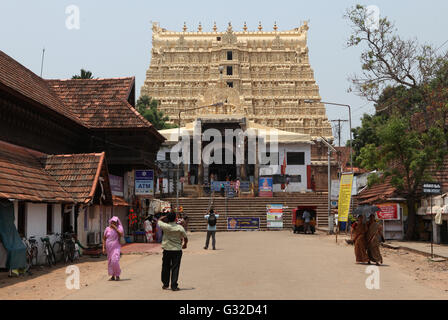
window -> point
(229, 55)
(280, 179)
(49, 218)
(218, 38)
(21, 219)
(167, 155)
(230, 84)
(229, 70)
(295, 178)
(295, 158)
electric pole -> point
(338, 128)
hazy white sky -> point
(114, 39)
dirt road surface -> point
(246, 265)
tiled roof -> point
(93, 103)
(378, 192)
(30, 175)
(119, 201)
(76, 173)
(23, 81)
(23, 178)
(100, 103)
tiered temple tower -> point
(267, 73)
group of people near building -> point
(367, 237)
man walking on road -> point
(173, 234)
(211, 228)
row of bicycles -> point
(63, 249)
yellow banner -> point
(345, 196)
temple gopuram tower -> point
(266, 74)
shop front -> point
(433, 219)
(393, 216)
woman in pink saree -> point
(111, 245)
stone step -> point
(196, 208)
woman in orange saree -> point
(359, 230)
(373, 241)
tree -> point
(147, 107)
(407, 82)
(404, 155)
(83, 75)
(388, 60)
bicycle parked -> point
(48, 250)
(64, 248)
(31, 252)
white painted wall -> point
(36, 225)
(290, 169)
(36, 219)
(57, 218)
(161, 154)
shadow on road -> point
(38, 271)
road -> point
(260, 265)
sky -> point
(114, 37)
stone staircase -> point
(196, 208)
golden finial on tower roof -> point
(275, 26)
(259, 26)
(200, 27)
(185, 27)
(245, 26)
(214, 26)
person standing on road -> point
(111, 245)
(211, 228)
(306, 218)
(373, 241)
(173, 234)
(359, 230)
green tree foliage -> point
(407, 136)
(84, 74)
(147, 107)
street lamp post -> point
(178, 138)
(350, 122)
(351, 147)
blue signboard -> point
(144, 182)
(243, 223)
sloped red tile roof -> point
(378, 192)
(23, 178)
(76, 173)
(119, 201)
(100, 103)
(23, 81)
(92, 103)
(30, 175)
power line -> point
(338, 126)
